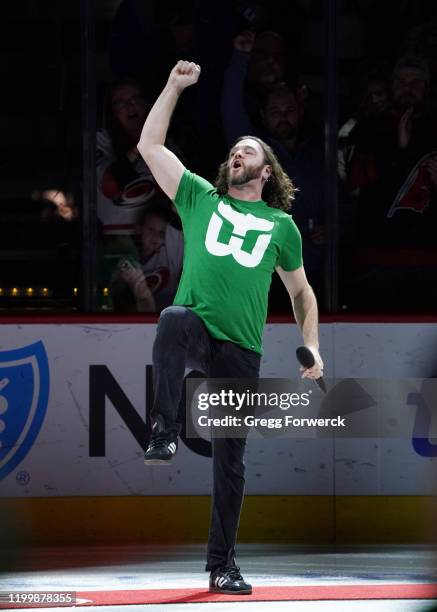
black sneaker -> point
(161, 449)
(228, 580)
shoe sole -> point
(158, 461)
(226, 592)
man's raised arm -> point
(166, 168)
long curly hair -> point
(278, 191)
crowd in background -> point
(260, 77)
(263, 74)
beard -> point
(244, 176)
(284, 130)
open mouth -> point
(237, 164)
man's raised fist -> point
(184, 74)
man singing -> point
(236, 234)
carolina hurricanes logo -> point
(241, 225)
(158, 279)
(415, 193)
(131, 194)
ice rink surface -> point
(169, 567)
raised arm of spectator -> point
(166, 168)
(235, 120)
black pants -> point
(182, 341)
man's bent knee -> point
(174, 318)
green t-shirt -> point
(231, 250)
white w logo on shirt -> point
(241, 225)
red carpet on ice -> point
(266, 593)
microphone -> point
(306, 358)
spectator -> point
(125, 185)
(280, 124)
(394, 167)
(267, 59)
(148, 282)
(59, 232)
(282, 116)
(149, 36)
(257, 65)
(60, 205)
(373, 95)
(124, 182)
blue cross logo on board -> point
(24, 394)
